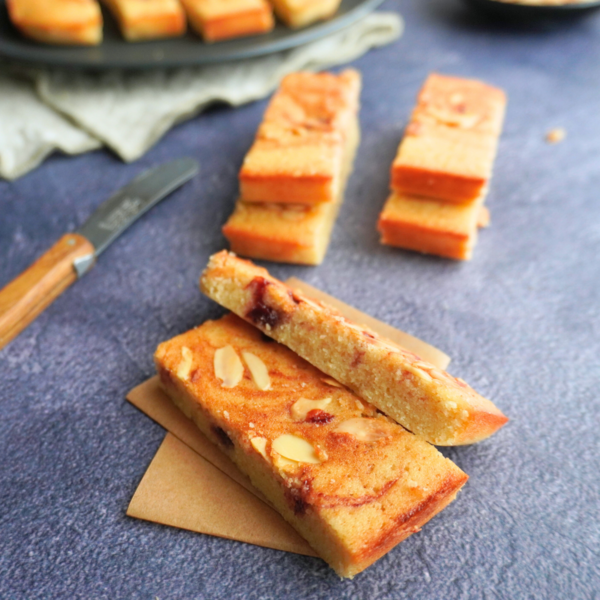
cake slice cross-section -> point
(351, 481)
(293, 179)
(431, 226)
(424, 399)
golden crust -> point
(430, 226)
(218, 20)
(298, 153)
(354, 502)
(282, 233)
(450, 144)
(427, 401)
(58, 21)
(300, 13)
(148, 19)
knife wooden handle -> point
(24, 298)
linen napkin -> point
(46, 110)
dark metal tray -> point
(115, 52)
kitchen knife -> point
(24, 298)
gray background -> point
(521, 321)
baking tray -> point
(188, 50)
(527, 12)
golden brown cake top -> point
(458, 103)
(437, 215)
(135, 11)
(316, 102)
(305, 126)
(59, 13)
(332, 450)
(215, 9)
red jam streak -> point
(222, 436)
(318, 417)
(260, 313)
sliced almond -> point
(228, 366)
(421, 373)
(185, 364)
(260, 445)
(295, 448)
(364, 430)
(302, 407)
(331, 382)
(258, 371)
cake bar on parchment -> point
(351, 481)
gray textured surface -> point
(521, 322)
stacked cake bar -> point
(334, 424)
(293, 178)
(440, 175)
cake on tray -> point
(351, 481)
(300, 13)
(293, 179)
(218, 20)
(58, 21)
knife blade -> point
(24, 298)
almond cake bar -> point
(450, 143)
(148, 19)
(58, 21)
(224, 19)
(300, 13)
(293, 179)
(424, 399)
(352, 482)
(294, 233)
(431, 226)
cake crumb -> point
(554, 136)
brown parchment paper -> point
(192, 485)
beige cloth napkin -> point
(46, 110)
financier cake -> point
(450, 143)
(300, 13)
(431, 226)
(58, 21)
(218, 20)
(148, 19)
(426, 400)
(293, 179)
(350, 480)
